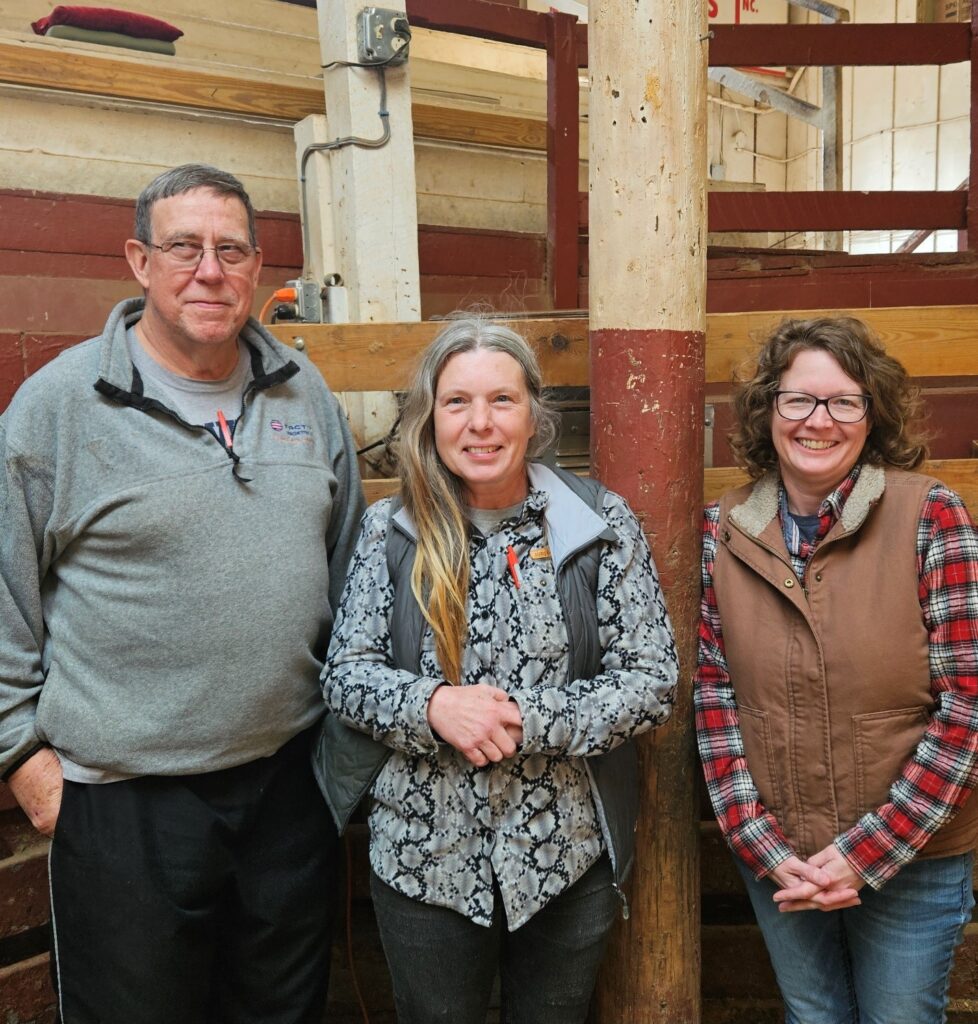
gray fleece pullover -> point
(165, 604)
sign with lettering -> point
(747, 12)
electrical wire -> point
(279, 295)
(388, 438)
(349, 140)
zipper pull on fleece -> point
(222, 422)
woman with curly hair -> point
(836, 691)
(501, 639)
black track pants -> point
(203, 899)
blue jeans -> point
(443, 965)
(887, 961)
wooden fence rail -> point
(932, 342)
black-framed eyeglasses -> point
(185, 253)
(799, 405)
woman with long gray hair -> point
(501, 639)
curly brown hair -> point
(896, 436)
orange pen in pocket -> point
(512, 561)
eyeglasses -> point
(797, 405)
(188, 254)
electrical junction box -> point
(308, 300)
(382, 36)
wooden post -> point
(647, 228)
(563, 159)
(971, 235)
(375, 213)
(371, 192)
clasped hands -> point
(479, 721)
(824, 882)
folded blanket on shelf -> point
(107, 19)
(88, 35)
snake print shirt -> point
(443, 830)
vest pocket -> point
(882, 742)
(755, 728)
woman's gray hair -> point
(467, 335)
(186, 178)
(433, 495)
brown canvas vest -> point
(832, 679)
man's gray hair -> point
(186, 178)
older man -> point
(179, 498)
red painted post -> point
(647, 241)
(563, 159)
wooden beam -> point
(845, 45)
(960, 475)
(930, 341)
(835, 211)
(827, 211)
(26, 988)
(751, 280)
(149, 80)
(480, 18)
(360, 357)
(730, 45)
(484, 19)
(448, 124)
(24, 888)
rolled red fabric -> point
(108, 19)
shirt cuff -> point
(760, 844)
(873, 851)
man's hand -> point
(838, 884)
(36, 786)
(480, 721)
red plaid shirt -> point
(936, 781)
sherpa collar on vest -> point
(761, 506)
(571, 525)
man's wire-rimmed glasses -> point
(185, 253)
(799, 405)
